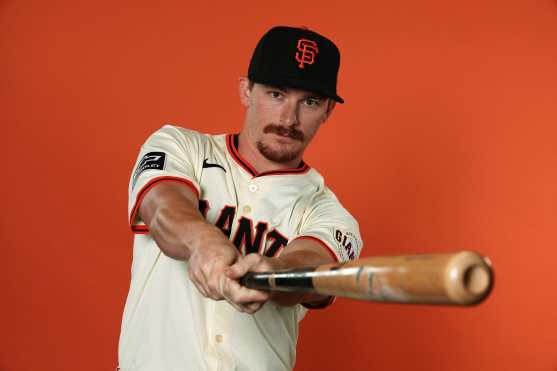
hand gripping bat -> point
(461, 278)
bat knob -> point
(477, 279)
(469, 278)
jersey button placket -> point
(221, 335)
(251, 196)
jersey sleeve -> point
(170, 154)
(327, 222)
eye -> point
(275, 94)
(312, 102)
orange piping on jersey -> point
(329, 249)
(142, 229)
(231, 145)
(236, 156)
(322, 305)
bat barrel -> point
(461, 278)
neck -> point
(251, 154)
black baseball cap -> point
(296, 58)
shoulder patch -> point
(151, 161)
(348, 241)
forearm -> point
(176, 230)
(300, 259)
(175, 223)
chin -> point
(280, 153)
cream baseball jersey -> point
(167, 323)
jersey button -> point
(247, 209)
(252, 188)
(219, 338)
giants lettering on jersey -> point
(345, 241)
(247, 238)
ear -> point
(244, 90)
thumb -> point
(243, 266)
(236, 271)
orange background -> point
(447, 141)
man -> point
(206, 209)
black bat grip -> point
(258, 281)
(295, 280)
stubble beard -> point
(277, 156)
(280, 156)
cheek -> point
(312, 121)
(311, 132)
(256, 116)
(266, 114)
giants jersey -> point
(168, 325)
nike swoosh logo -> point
(208, 165)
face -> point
(280, 122)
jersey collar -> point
(232, 146)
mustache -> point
(284, 131)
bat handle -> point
(299, 280)
(258, 281)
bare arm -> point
(171, 212)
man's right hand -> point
(212, 255)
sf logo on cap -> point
(307, 51)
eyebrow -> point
(285, 89)
(277, 87)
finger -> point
(200, 288)
(206, 269)
(200, 279)
(214, 290)
(241, 295)
(240, 268)
(198, 276)
(197, 283)
(223, 282)
(251, 308)
(212, 272)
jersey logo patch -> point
(345, 241)
(207, 165)
(151, 161)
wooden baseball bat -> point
(461, 278)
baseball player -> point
(206, 209)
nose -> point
(289, 114)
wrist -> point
(203, 235)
